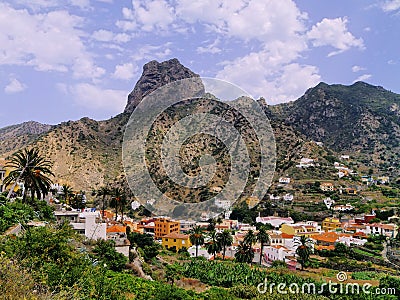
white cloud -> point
(82, 4)
(14, 86)
(51, 41)
(390, 5)
(259, 20)
(97, 98)
(211, 48)
(363, 77)
(334, 32)
(103, 35)
(147, 15)
(150, 52)
(258, 73)
(126, 71)
(356, 69)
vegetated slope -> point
(17, 136)
(359, 119)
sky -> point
(63, 60)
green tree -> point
(224, 239)
(149, 252)
(303, 250)
(197, 237)
(213, 246)
(172, 273)
(105, 252)
(244, 253)
(102, 192)
(67, 193)
(250, 238)
(118, 200)
(263, 238)
(33, 170)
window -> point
(166, 240)
(174, 240)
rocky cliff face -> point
(155, 75)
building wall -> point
(163, 226)
(178, 243)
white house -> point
(201, 252)
(329, 202)
(88, 226)
(274, 221)
(284, 180)
(272, 197)
(135, 205)
(305, 163)
(288, 197)
(351, 241)
(389, 230)
(346, 207)
(277, 252)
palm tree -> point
(67, 192)
(250, 238)
(263, 238)
(303, 250)
(103, 192)
(33, 170)
(116, 199)
(244, 253)
(213, 246)
(122, 203)
(197, 237)
(224, 239)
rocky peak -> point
(155, 75)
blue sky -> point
(65, 59)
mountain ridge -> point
(87, 153)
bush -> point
(244, 291)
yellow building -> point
(331, 224)
(176, 240)
(299, 229)
(163, 226)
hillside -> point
(361, 119)
(20, 135)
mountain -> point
(361, 120)
(155, 75)
(18, 136)
(87, 153)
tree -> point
(263, 238)
(33, 170)
(213, 246)
(224, 239)
(303, 250)
(116, 198)
(250, 238)
(67, 193)
(102, 192)
(149, 252)
(106, 253)
(244, 253)
(197, 237)
(172, 273)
